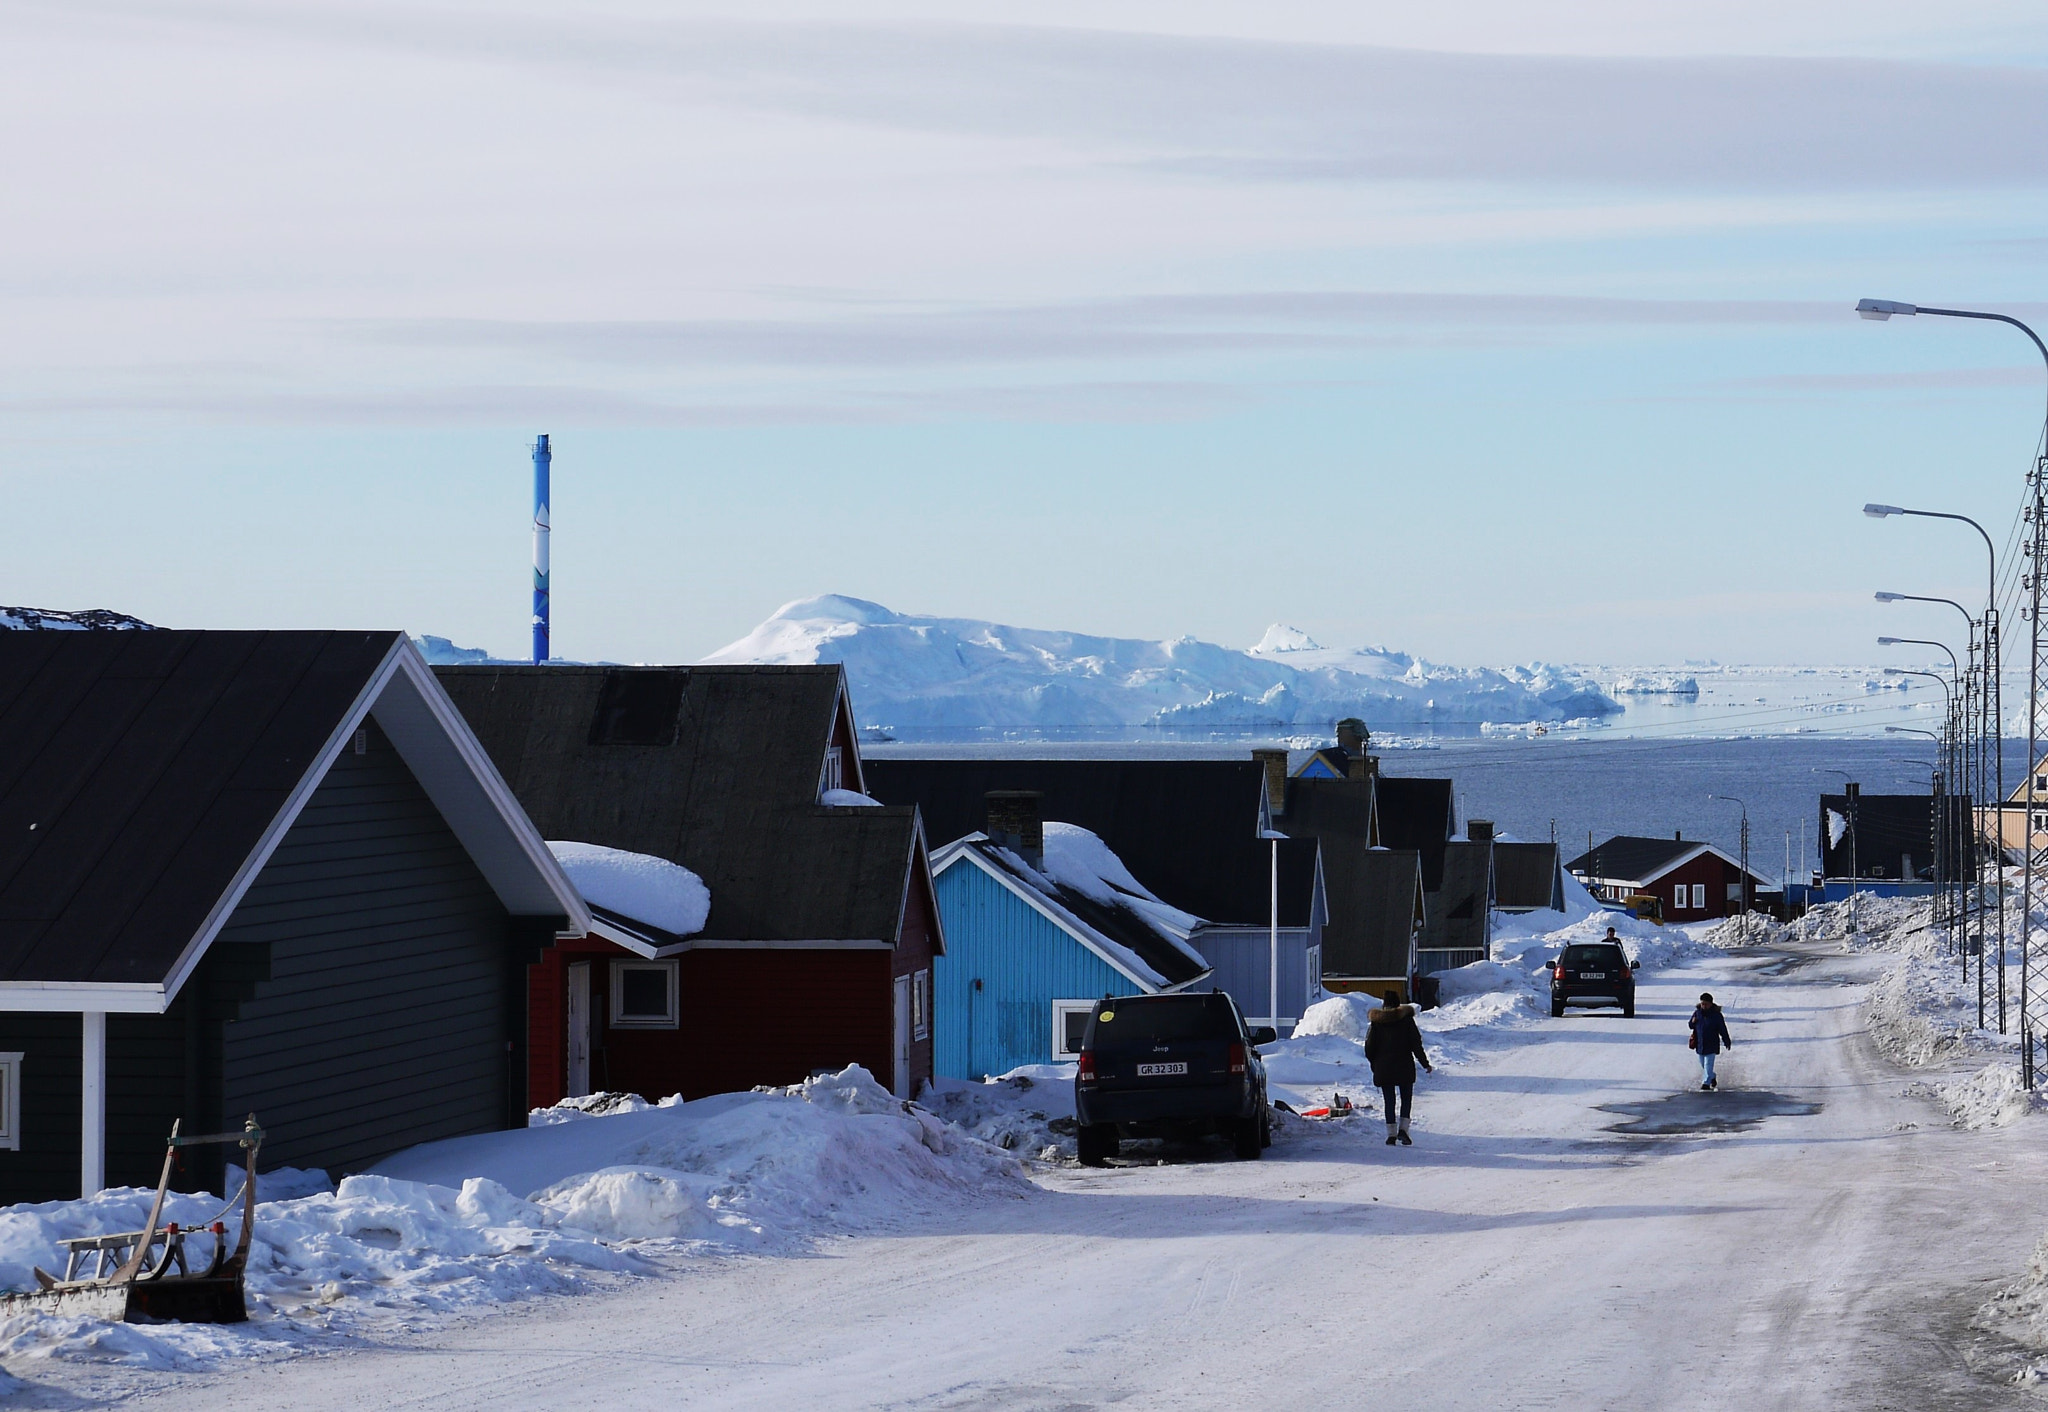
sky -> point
(1487, 332)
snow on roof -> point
(637, 886)
(1095, 897)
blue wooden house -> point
(1041, 920)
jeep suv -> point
(1157, 1065)
(1593, 973)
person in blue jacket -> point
(1709, 1032)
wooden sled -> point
(151, 1274)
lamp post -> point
(1941, 826)
(1993, 705)
(1742, 887)
(2037, 552)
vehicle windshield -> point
(1166, 1017)
(1591, 958)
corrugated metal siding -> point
(1244, 968)
(383, 1022)
(1023, 962)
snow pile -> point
(1865, 923)
(2019, 1314)
(1923, 1013)
(1746, 929)
(954, 673)
(591, 1105)
(848, 799)
(636, 885)
(1992, 1097)
(443, 1227)
(317, 1263)
(1029, 1110)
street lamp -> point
(1881, 310)
(1993, 696)
(1742, 887)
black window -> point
(638, 708)
(1592, 958)
(643, 993)
(1077, 1028)
(1168, 1017)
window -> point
(1069, 1024)
(1315, 969)
(829, 776)
(921, 1005)
(1678, 898)
(1699, 895)
(638, 708)
(643, 995)
(10, 1101)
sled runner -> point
(157, 1273)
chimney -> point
(1016, 820)
(1677, 837)
(1479, 830)
(1275, 764)
(1354, 740)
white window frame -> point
(1699, 897)
(1060, 1010)
(832, 772)
(10, 1100)
(920, 1004)
(617, 1018)
(1678, 897)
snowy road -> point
(1523, 1254)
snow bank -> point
(849, 799)
(1028, 1110)
(636, 885)
(444, 1226)
(1746, 929)
(2019, 1313)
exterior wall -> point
(1243, 962)
(745, 1016)
(913, 954)
(390, 1016)
(1708, 869)
(1005, 964)
(46, 1167)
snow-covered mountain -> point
(918, 672)
(69, 620)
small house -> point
(1041, 921)
(816, 946)
(267, 872)
(1692, 881)
(1892, 842)
(1527, 877)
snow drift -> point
(952, 673)
(636, 885)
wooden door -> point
(579, 1029)
(901, 1079)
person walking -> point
(1709, 1032)
(1393, 1046)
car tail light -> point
(1085, 1069)
(1236, 1058)
(1558, 974)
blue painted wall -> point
(1023, 962)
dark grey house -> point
(245, 871)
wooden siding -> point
(1022, 963)
(392, 971)
(1707, 869)
(1241, 956)
(913, 954)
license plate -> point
(1146, 1071)
(1592, 975)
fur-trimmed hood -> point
(1382, 1014)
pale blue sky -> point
(1484, 334)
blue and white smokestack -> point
(542, 461)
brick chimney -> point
(1274, 762)
(1016, 820)
(1479, 830)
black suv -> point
(1154, 1065)
(1595, 973)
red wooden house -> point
(1692, 881)
(817, 948)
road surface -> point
(1576, 1227)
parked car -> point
(1593, 973)
(1170, 1065)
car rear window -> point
(1591, 958)
(1169, 1017)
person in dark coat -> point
(1709, 1032)
(1393, 1046)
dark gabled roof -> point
(1525, 877)
(1631, 857)
(1457, 919)
(715, 768)
(1334, 758)
(1185, 828)
(1418, 814)
(1121, 922)
(1375, 905)
(141, 771)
